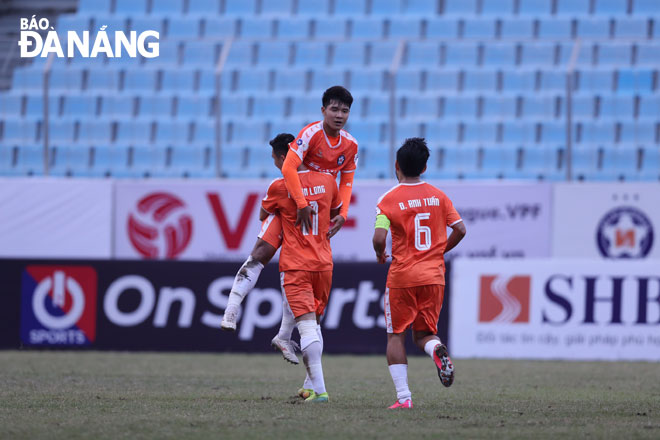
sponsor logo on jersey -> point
(341, 159)
(58, 305)
(504, 299)
(625, 232)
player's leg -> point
(399, 313)
(282, 340)
(425, 331)
(269, 239)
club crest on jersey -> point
(341, 159)
(299, 142)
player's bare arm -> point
(457, 233)
(380, 242)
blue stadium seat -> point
(597, 133)
(423, 8)
(331, 28)
(518, 133)
(519, 28)
(234, 159)
(273, 53)
(207, 81)
(585, 162)
(620, 162)
(34, 106)
(220, 27)
(387, 7)
(116, 22)
(648, 54)
(539, 107)
(10, 105)
(241, 54)
(134, 132)
(460, 7)
(649, 106)
(423, 53)
(147, 161)
(27, 79)
(498, 161)
(481, 80)
(204, 7)
(20, 131)
(240, 7)
(620, 107)
(408, 80)
(421, 107)
(77, 106)
(361, 27)
(479, 132)
(573, 7)
(170, 8)
(519, 81)
(374, 161)
(269, 107)
(497, 7)
(593, 28)
(441, 28)
(256, 27)
(552, 28)
(583, 107)
(639, 132)
(246, 132)
(349, 53)
(305, 106)
(294, 27)
(350, 7)
(366, 132)
(191, 107)
(538, 54)
(204, 131)
(70, 160)
(248, 80)
(277, 8)
(378, 107)
(168, 56)
(461, 54)
(183, 28)
(117, 105)
(536, 8)
(103, 80)
(235, 107)
(66, 79)
(29, 160)
(290, 80)
(140, 80)
(645, 7)
(324, 78)
(172, 132)
(368, 80)
(110, 160)
(542, 161)
(193, 161)
(501, 54)
(314, 7)
(93, 132)
(442, 80)
(90, 7)
(180, 80)
(70, 22)
(440, 132)
(405, 28)
(382, 53)
(650, 163)
(553, 132)
(631, 27)
(595, 80)
(311, 53)
(615, 54)
(611, 8)
(553, 80)
(499, 107)
(466, 160)
(151, 106)
(132, 7)
(459, 107)
(479, 28)
(141, 24)
(197, 53)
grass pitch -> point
(147, 395)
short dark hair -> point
(412, 156)
(339, 94)
(280, 143)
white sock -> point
(288, 321)
(429, 347)
(399, 373)
(245, 280)
(311, 347)
(307, 384)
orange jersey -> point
(419, 214)
(309, 251)
(318, 153)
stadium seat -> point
(314, 7)
(219, 27)
(593, 28)
(518, 28)
(311, 53)
(134, 132)
(103, 80)
(169, 8)
(131, 7)
(582, 106)
(442, 80)
(168, 56)
(543, 162)
(480, 80)
(235, 107)
(479, 28)
(70, 22)
(649, 106)
(441, 132)
(141, 24)
(422, 8)
(273, 53)
(501, 54)
(410, 28)
(66, 79)
(459, 107)
(420, 107)
(559, 29)
(499, 161)
(277, 8)
(466, 160)
(536, 8)
(10, 105)
(553, 132)
(368, 80)
(619, 107)
(460, 7)
(241, 8)
(639, 132)
(204, 7)
(408, 80)
(645, 7)
(27, 79)
(268, 107)
(553, 80)
(366, 132)
(197, 53)
(76, 106)
(499, 107)
(172, 133)
(538, 54)
(349, 53)
(193, 161)
(441, 28)
(611, 8)
(118, 106)
(615, 54)
(89, 7)
(290, 80)
(324, 78)
(241, 54)
(518, 81)
(246, 132)
(29, 160)
(363, 27)
(140, 80)
(70, 160)
(21, 131)
(595, 80)
(180, 80)
(596, 133)
(518, 133)
(93, 132)
(497, 7)
(305, 106)
(256, 28)
(350, 7)
(634, 81)
(573, 7)
(463, 54)
(631, 27)
(387, 7)
(382, 53)
(294, 27)
(479, 132)
(619, 163)
(422, 53)
(191, 107)
(650, 163)
(34, 106)
(648, 54)
(155, 106)
(378, 108)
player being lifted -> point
(418, 215)
(306, 263)
(321, 146)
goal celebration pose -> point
(418, 215)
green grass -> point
(148, 395)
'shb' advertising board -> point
(171, 305)
(611, 221)
(556, 309)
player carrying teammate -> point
(306, 263)
(321, 146)
(418, 215)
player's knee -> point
(263, 252)
(308, 334)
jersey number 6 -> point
(422, 230)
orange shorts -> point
(306, 291)
(419, 306)
(271, 231)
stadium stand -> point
(485, 81)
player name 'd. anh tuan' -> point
(418, 203)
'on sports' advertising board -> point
(606, 220)
(209, 220)
(556, 309)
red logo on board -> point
(504, 299)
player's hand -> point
(382, 258)
(304, 217)
(337, 223)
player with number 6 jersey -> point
(418, 215)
